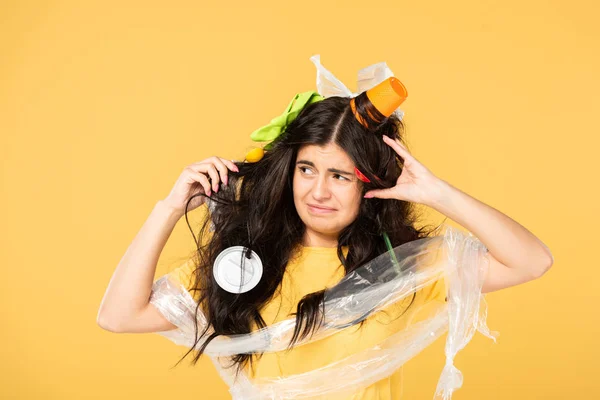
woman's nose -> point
(321, 188)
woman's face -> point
(327, 193)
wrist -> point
(441, 194)
(168, 210)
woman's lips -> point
(317, 210)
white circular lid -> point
(227, 270)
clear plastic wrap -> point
(457, 257)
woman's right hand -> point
(195, 179)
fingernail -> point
(368, 196)
(225, 180)
(208, 194)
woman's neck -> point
(317, 239)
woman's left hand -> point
(415, 184)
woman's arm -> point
(515, 254)
(126, 304)
(128, 292)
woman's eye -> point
(337, 176)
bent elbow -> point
(547, 264)
(106, 324)
(545, 268)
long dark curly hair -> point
(256, 210)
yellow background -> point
(102, 104)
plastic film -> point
(457, 257)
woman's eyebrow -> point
(337, 171)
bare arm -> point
(126, 304)
(128, 293)
(515, 254)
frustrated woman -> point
(314, 306)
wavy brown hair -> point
(256, 210)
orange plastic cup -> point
(386, 97)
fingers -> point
(203, 168)
(380, 193)
(230, 164)
(214, 176)
(223, 165)
(202, 179)
(217, 168)
(398, 147)
(221, 168)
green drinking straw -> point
(388, 244)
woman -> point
(333, 188)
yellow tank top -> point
(312, 269)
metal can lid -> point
(228, 273)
